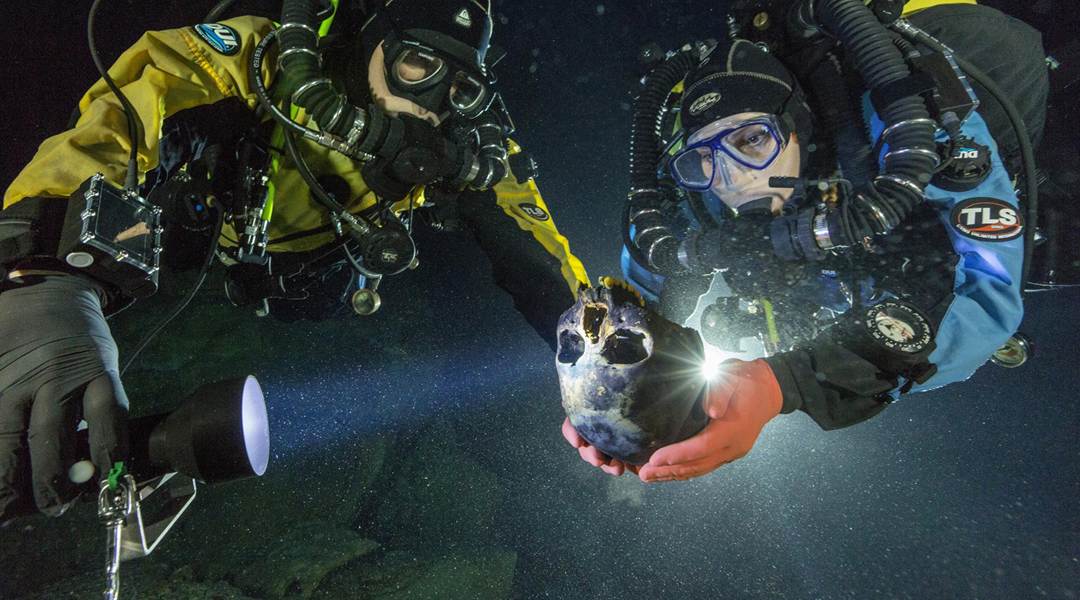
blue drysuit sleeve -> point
(986, 306)
(838, 386)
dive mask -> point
(716, 152)
(433, 80)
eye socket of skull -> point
(571, 347)
(625, 347)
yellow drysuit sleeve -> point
(163, 73)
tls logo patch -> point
(534, 211)
(987, 219)
(222, 38)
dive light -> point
(219, 433)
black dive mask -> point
(437, 80)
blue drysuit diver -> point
(899, 272)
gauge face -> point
(898, 327)
(1014, 353)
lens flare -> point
(714, 357)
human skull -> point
(630, 380)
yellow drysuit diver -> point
(304, 152)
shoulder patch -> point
(898, 327)
(987, 220)
(222, 38)
(534, 211)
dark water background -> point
(966, 492)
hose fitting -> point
(889, 198)
(343, 123)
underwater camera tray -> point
(114, 236)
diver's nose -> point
(742, 177)
(734, 178)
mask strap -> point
(787, 120)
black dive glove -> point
(58, 366)
(414, 154)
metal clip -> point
(114, 507)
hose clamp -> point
(906, 122)
(505, 162)
(474, 170)
(308, 86)
(900, 181)
(821, 232)
(916, 151)
(652, 248)
(337, 115)
(488, 180)
(647, 230)
(296, 25)
(638, 214)
(641, 191)
(291, 51)
(499, 151)
(886, 225)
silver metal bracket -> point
(138, 517)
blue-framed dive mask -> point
(716, 153)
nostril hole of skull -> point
(592, 318)
(571, 347)
(624, 347)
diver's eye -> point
(754, 137)
(624, 347)
(571, 347)
(706, 160)
(754, 142)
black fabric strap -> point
(916, 84)
(31, 227)
(521, 265)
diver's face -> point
(741, 184)
(385, 99)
